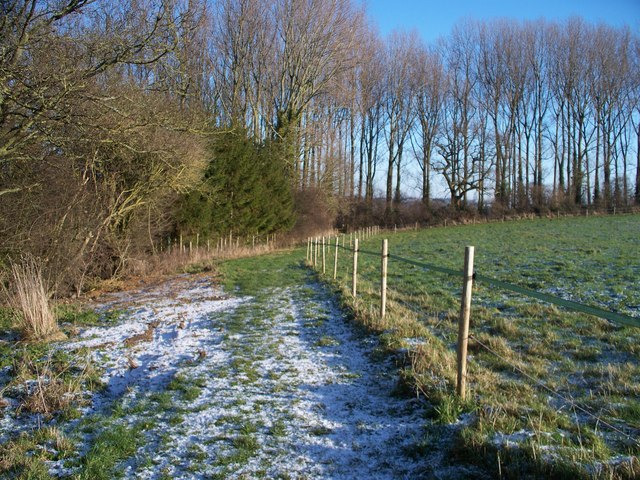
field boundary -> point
(317, 256)
(545, 297)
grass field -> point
(554, 389)
(553, 394)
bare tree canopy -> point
(108, 110)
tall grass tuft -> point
(29, 299)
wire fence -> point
(615, 317)
(316, 253)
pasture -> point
(264, 369)
(550, 388)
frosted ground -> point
(280, 386)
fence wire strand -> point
(575, 306)
(568, 304)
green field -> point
(549, 387)
(552, 393)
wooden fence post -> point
(314, 253)
(355, 268)
(308, 246)
(335, 261)
(383, 278)
(463, 325)
(324, 262)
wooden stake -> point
(315, 258)
(355, 268)
(324, 262)
(383, 278)
(463, 325)
(335, 261)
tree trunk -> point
(637, 195)
(389, 197)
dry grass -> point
(48, 390)
(169, 262)
(29, 298)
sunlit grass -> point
(521, 349)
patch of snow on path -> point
(287, 387)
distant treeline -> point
(125, 122)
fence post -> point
(308, 246)
(324, 262)
(335, 262)
(463, 325)
(355, 268)
(383, 278)
(315, 252)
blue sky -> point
(433, 19)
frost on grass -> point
(277, 385)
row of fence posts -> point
(223, 244)
(316, 257)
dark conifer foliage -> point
(246, 189)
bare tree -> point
(400, 86)
(429, 103)
(370, 82)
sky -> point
(433, 19)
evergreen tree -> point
(246, 189)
